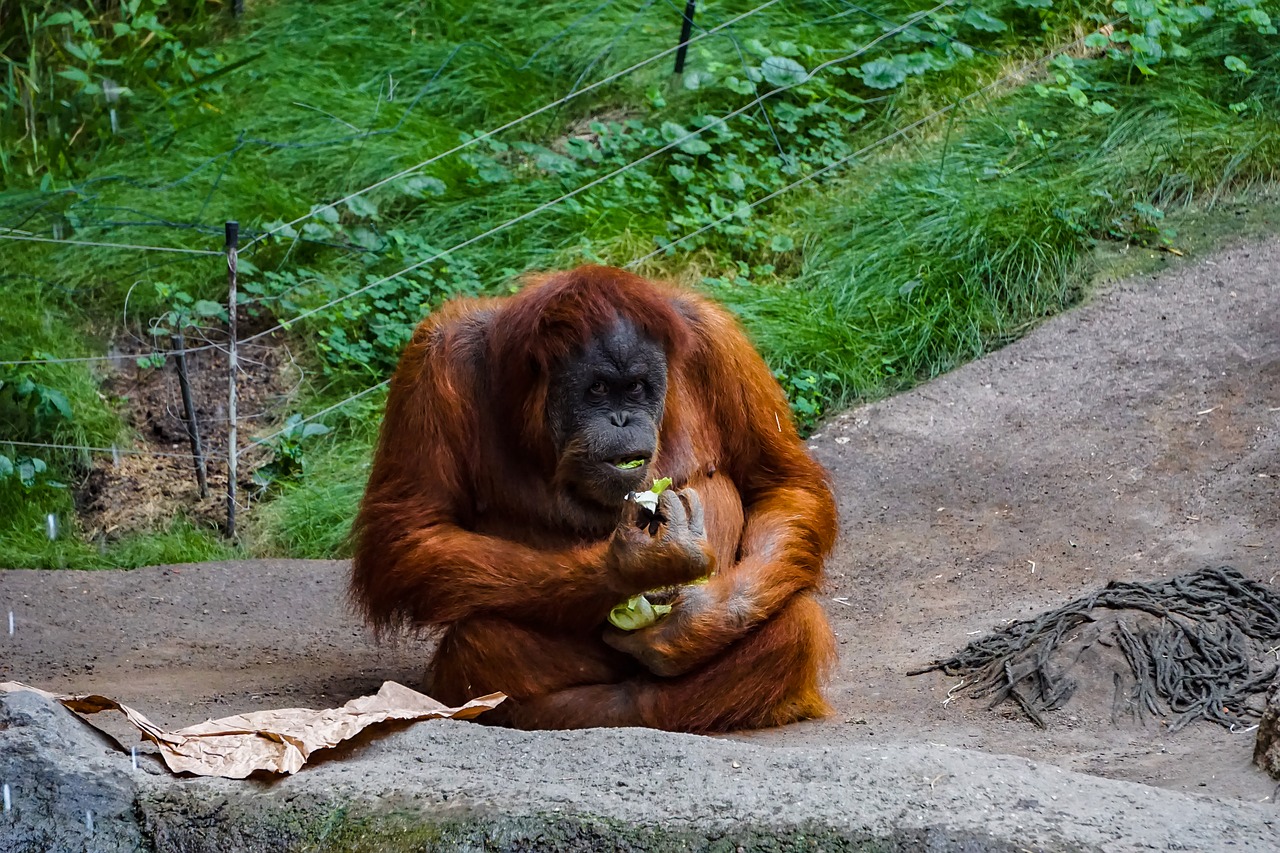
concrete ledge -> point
(460, 786)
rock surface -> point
(68, 788)
(416, 789)
(1266, 747)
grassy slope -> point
(965, 243)
(947, 245)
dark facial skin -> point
(604, 410)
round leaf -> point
(325, 213)
(423, 185)
(694, 146)
(783, 71)
(58, 401)
(694, 80)
(683, 174)
(882, 74)
(980, 20)
(361, 206)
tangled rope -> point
(1202, 657)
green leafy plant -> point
(362, 337)
(808, 392)
(75, 69)
(288, 449)
(30, 472)
(1144, 224)
(184, 314)
(32, 409)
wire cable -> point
(489, 133)
(829, 167)
(675, 143)
(320, 414)
(34, 239)
(122, 451)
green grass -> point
(25, 541)
(927, 252)
(992, 226)
(312, 517)
(313, 116)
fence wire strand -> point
(131, 246)
(114, 451)
(513, 123)
(1005, 78)
(905, 129)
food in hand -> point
(636, 613)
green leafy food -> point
(649, 499)
(637, 612)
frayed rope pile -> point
(1204, 658)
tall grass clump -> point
(311, 516)
(25, 541)
(916, 264)
(74, 70)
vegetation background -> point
(881, 190)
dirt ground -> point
(1133, 438)
(138, 492)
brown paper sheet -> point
(277, 741)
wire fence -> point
(233, 346)
(488, 134)
(130, 246)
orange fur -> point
(462, 527)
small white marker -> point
(10, 623)
(7, 804)
(115, 456)
(88, 821)
(133, 751)
(51, 526)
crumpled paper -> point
(277, 741)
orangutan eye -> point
(598, 390)
(636, 391)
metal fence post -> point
(189, 411)
(233, 242)
(686, 29)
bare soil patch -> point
(1134, 438)
(138, 492)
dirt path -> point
(1134, 438)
